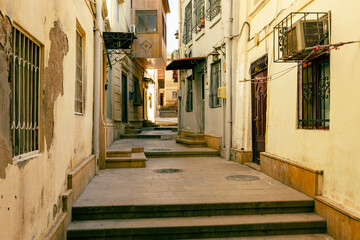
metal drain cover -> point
(242, 178)
(168, 170)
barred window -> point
(189, 95)
(199, 15)
(215, 81)
(24, 78)
(137, 93)
(79, 95)
(314, 94)
(146, 21)
(213, 9)
(187, 24)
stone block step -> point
(174, 154)
(198, 227)
(281, 237)
(190, 210)
(136, 160)
(118, 153)
(191, 143)
(139, 136)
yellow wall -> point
(30, 193)
(335, 150)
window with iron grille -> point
(146, 21)
(24, 77)
(215, 80)
(213, 9)
(137, 93)
(199, 15)
(314, 94)
(187, 24)
(79, 95)
(189, 95)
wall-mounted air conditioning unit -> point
(304, 34)
(298, 33)
(133, 29)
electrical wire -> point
(316, 49)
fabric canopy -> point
(185, 63)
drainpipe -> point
(228, 119)
(97, 78)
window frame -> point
(187, 36)
(199, 13)
(155, 13)
(213, 92)
(34, 71)
(189, 94)
(213, 9)
(317, 96)
(79, 32)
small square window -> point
(146, 21)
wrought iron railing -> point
(199, 15)
(187, 37)
(214, 8)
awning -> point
(185, 63)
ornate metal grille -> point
(199, 15)
(79, 75)
(314, 94)
(24, 79)
(214, 8)
(187, 24)
(297, 34)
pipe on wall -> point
(228, 117)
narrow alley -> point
(179, 119)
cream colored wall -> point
(31, 191)
(335, 150)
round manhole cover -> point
(168, 170)
(244, 178)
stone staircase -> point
(191, 221)
(192, 139)
(126, 158)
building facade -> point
(46, 95)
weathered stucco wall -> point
(333, 150)
(30, 190)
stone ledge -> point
(302, 178)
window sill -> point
(215, 20)
(255, 9)
(200, 34)
(26, 157)
(79, 114)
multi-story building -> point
(46, 114)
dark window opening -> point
(215, 83)
(146, 21)
(187, 24)
(189, 95)
(314, 94)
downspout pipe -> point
(97, 78)
(228, 52)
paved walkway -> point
(199, 180)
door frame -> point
(124, 99)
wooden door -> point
(124, 102)
(258, 96)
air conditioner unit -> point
(301, 35)
(133, 29)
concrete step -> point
(190, 210)
(281, 237)
(136, 160)
(194, 136)
(191, 143)
(118, 153)
(167, 154)
(198, 227)
(139, 136)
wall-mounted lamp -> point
(176, 34)
(215, 54)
